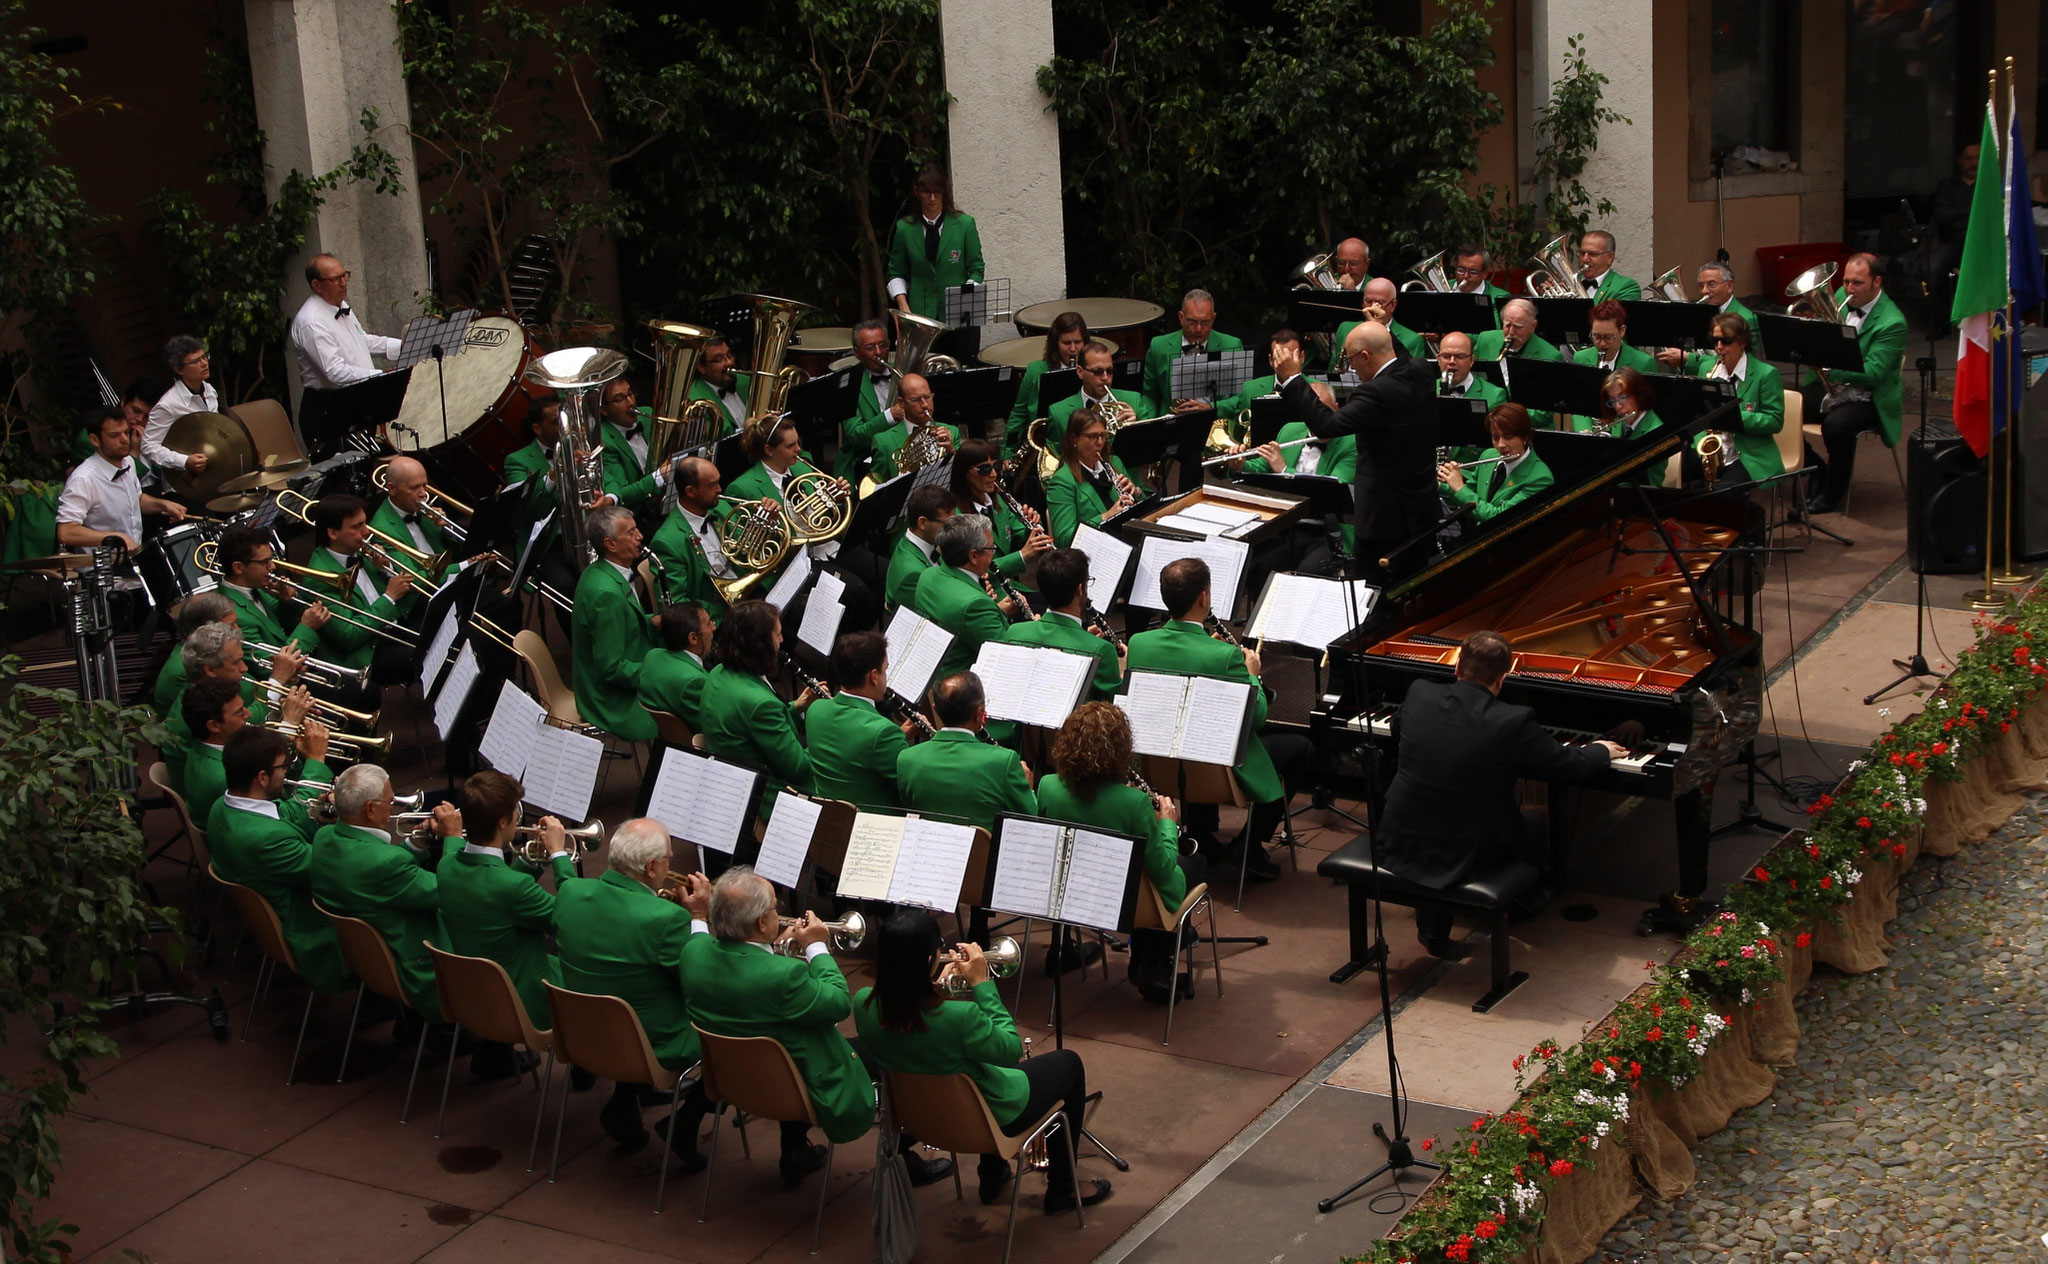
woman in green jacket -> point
(1063, 343)
(910, 1023)
(977, 489)
(1507, 473)
(1090, 484)
(1092, 755)
(742, 719)
(934, 247)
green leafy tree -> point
(1568, 130)
(71, 914)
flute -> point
(1228, 457)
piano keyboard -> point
(1380, 724)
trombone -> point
(284, 585)
(322, 672)
(355, 744)
(1004, 958)
(846, 935)
(431, 506)
(300, 506)
(383, 562)
(329, 713)
(207, 558)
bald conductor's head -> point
(1374, 342)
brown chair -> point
(603, 1035)
(476, 993)
(756, 1075)
(268, 932)
(1153, 914)
(554, 692)
(366, 953)
(947, 1112)
(674, 731)
(1191, 782)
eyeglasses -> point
(986, 467)
(339, 276)
(279, 767)
(1468, 272)
(197, 357)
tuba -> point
(1430, 275)
(1814, 291)
(1666, 289)
(1553, 274)
(774, 326)
(578, 374)
(679, 424)
(1317, 274)
(915, 335)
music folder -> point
(1429, 312)
(1553, 386)
(911, 860)
(1656, 323)
(1681, 400)
(1803, 340)
(1109, 562)
(1311, 611)
(700, 799)
(821, 404)
(497, 526)
(1461, 422)
(786, 843)
(561, 771)
(1193, 718)
(1033, 684)
(973, 396)
(916, 645)
(1210, 375)
(875, 515)
(1060, 872)
(326, 417)
(1154, 439)
(515, 725)
(1563, 320)
(455, 602)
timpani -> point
(1122, 319)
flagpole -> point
(2007, 577)
(1989, 598)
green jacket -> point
(1025, 410)
(956, 601)
(1487, 345)
(1063, 412)
(1064, 632)
(890, 441)
(205, 780)
(971, 1035)
(344, 642)
(624, 476)
(1630, 357)
(1071, 500)
(1011, 534)
(618, 938)
(1180, 648)
(686, 572)
(959, 260)
(275, 859)
(1882, 342)
(533, 462)
(610, 635)
(392, 523)
(755, 484)
(853, 749)
(260, 618)
(1159, 358)
(492, 909)
(744, 722)
(958, 777)
(906, 564)
(179, 744)
(360, 874)
(673, 681)
(170, 683)
(738, 988)
(1477, 387)
(1123, 810)
(1760, 396)
(1615, 286)
(1410, 341)
(857, 433)
(742, 385)
(1529, 478)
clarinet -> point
(1098, 623)
(803, 678)
(995, 577)
(902, 709)
(1139, 781)
(1218, 628)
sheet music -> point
(1221, 515)
(674, 789)
(455, 690)
(567, 764)
(1107, 558)
(1309, 610)
(792, 579)
(915, 647)
(823, 614)
(1096, 873)
(1032, 684)
(1213, 715)
(1024, 867)
(719, 817)
(437, 649)
(1198, 526)
(787, 841)
(931, 864)
(871, 852)
(1153, 702)
(515, 726)
(1226, 560)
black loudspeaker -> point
(1945, 498)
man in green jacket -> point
(1455, 378)
(1596, 269)
(195, 612)
(688, 543)
(613, 631)
(853, 746)
(617, 937)
(672, 676)
(213, 712)
(873, 410)
(914, 393)
(494, 909)
(622, 433)
(261, 838)
(916, 552)
(1872, 397)
(1096, 371)
(1717, 290)
(403, 517)
(1198, 335)
(1063, 580)
(951, 594)
(214, 652)
(341, 526)
(933, 249)
(720, 382)
(1469, 266)
(1181, 647)
(360, 870)
(246, 559)
(1515, 337)
(1760, 402)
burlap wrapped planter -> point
(1582, 1207)
(1856, 944)
(1660, 1139)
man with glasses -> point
(1468, 276)
(334, 349)
(952, 594)
(1351, 263)
(1382, 299)
(1717, 288)
(246, 560)
(186, 358)
(1097, 370)
(692, 556)
(1455, 378)
(873, 410)
(1596, 270)
(915, 403)
(1198, 335)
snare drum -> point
(168, 568)
(487, 398)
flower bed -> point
(1599, 1124)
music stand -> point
(458, 595)
(530, 552)
(1806, 342)
(1563, 320)
(1428, 312)
(1681, 400)
(976, 303)
(875, 514)
(1055, 385)
(733, 316)
(730, 456)
(971, 398)
(328, 417)
(1210, 375)
(643, 803)
(1155, 439)
(1554, 386)
(1461, 422)
(495, 527)
(1655, 323)
(821, 404)
(429, 338)
(1322, 495)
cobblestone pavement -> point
(1915, 1126)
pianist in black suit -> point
(1451, 813)
(1393, 413)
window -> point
(1753, 71)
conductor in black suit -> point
(1451, 812)
(1393, 413)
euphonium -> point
(1430, 276)
(846, 935)
(578, 375)
(1004, 958)
(679, 424)
(914, 337)
(1814, 290)
(1316, 274)
(1666, 288)
(774, 325)
(1553, 274)
(1037, 437)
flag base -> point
(2010, 580)
(1988, 599)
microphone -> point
(1333, 538)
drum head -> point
(1100, 313)
(1018, 353)
(493, 353)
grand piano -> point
(1622, 602)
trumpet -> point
(1005, 957)
(355, 744)
(324, 673)
(329, 712)
(321, 806)
(431, 506)
(846, 934)
(582, 840)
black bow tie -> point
(1857, 312)
(410, 519)
(878, 377)
(341, 311)
(1186, 347)
(1454, 391)
(704, 527)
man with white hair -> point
(952, 594)
(1516, 336)
(616, 937)
(333, 348)
(401, 518)
(1717, 289)
(213, 651)
(611, 630)
(357, 871)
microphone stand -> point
(1915, 667)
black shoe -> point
(377, 1009)
(1079, 955)
(1532, 902)
(1092, 1192)
(924, 1171)
(1260, 867)
(580, 1080)
(684, 1148)
(1448, 949)
(506, 1064)
(1822, 505)
(1158, 992)
(994, 1180)
(620, 1120)
(797, 1164)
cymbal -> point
(230, 452)
(55, 562)
(278, 463)
(258, 480)
(239, 502)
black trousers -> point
(1152, 951)
(1839, 427)
(1054, 1076)
(1294, 757)
(1433, 921)
(690, 1111)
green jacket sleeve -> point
(970, 250)
(774, 728)
(819, 994)
(992, 1035)
(1063, 507)
(1024, 411)
(899, 251)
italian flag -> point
(1980, 292)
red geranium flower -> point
(1563, 1167)
(1804, 939)
(1655, 1033)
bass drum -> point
(487, 398)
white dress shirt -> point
(261, 807)
(707, 540)
(918, 542)
(1741, 373)
(368, 589)
(176, 402)
(333, 348)
(104, 497)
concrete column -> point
(1618, 42)
(1004, 145)
(316, 65)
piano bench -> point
(1487, 896)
